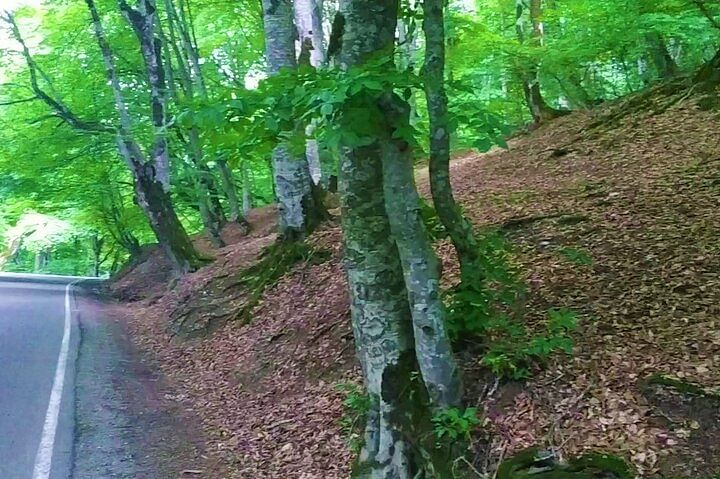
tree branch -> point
(60, 109)
(704, 10)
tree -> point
(392, 273)
(539, 109)
(151, 176)
(458, 227)
(150, 170)
(300, 210)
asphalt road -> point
(76, 400)
(38, 347)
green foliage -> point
(358, 404)
(514, 351)
(579, 257)
(432, 222)
(455, 424)
(486, 306)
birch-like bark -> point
(299, 210)
(420, 264)
(458, 227)
(308, 19)
(150, 184)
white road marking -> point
(43, 459)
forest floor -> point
(646, 188)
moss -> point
(683, 387)
(275, 261)
(539, 465)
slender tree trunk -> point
(458, 227)
(709, 74)
(380, 226)
(298, 208)
(230, 189)
(308, 18)
(209, 214)
(664, 62)
(420, 265)
(539, 110)
(151, 184)
(247, 197)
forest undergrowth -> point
(638, 265)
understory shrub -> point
(487, 306)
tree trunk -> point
(209, 214)
(709, 75)
(382, 320)
(247, 197)
(298, 209)
(308, 18)
(539, 110)
(664, 62)
(230, 189)
(155, 202)
(420, 265)
(458, 227)
(151, 180)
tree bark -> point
(539, 110)
(299, 211)
(381, 226)
(420, 264)
(150, 183)
(230, 189)
(458, 227)
(664, 62)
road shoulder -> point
(128, 423)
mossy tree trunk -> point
(420, 264)
(392, 272)
(299, 210)
(458, 227)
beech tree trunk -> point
(149, 177)
(458, 227)
(299, 210)
(539, 110)
(661, 57)
(391, 275)
(230, 188)
(419, 262)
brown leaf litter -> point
(647, 192)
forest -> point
(389, 239)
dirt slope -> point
(647, 191)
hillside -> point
(644, 190)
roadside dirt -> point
(129, 423)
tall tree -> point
(299, 207)
(530, 71)
(392, 272)
(458, 227)
(308, 18)
(151, 184)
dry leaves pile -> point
(647, 192)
